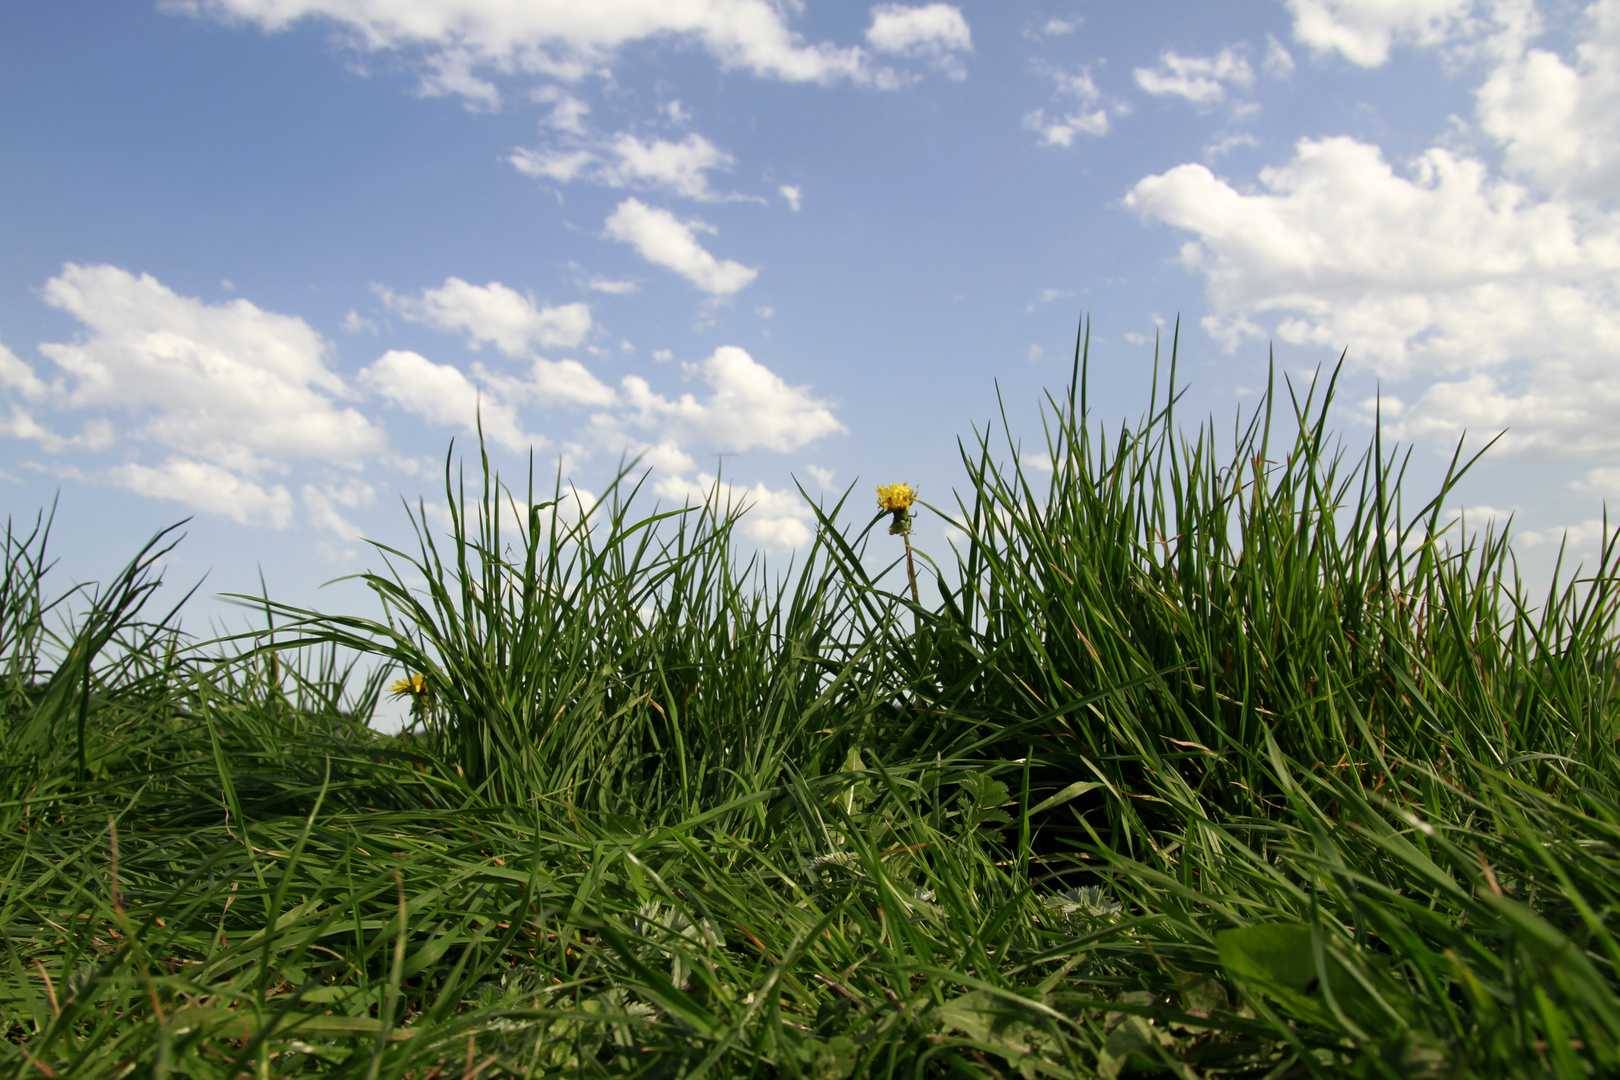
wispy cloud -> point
(1202, 80)
(1082, 113)
(625, 161)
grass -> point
(1214, 756)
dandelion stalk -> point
(897, 500)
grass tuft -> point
(1204, 755)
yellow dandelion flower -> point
(415, 686)
(895, 497)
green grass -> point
(1204, 755)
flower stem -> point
(911, 572)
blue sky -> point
(260, 258)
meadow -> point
(1205, 752)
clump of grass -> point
(1214, 763)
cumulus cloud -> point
(681, 167)
(98, 434)
(550, 383)
(1578, 539)
(1081, 115)
(559, 38)
(1604, 483)
(1501, 292)
(321, 506)
(1410, 268)
(19, 378)
(207, 487)
(664, 240)
(930, 28)
(933, 31)
(625, 161)
(1202, 80)
(1446, 271)
(231, 393)
(749, 406)
(443, 395)
(793, 195)
(778, 521)
(495, 314)
(1363, 31)
(229, 383)
(1556, 119)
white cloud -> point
(495, 314)
(1055, 27)
(441, 394)
(777, 534)
(1202, 80)
(777, 521)
(793, 196)
(321, 506)
(98, 434)
(1046, 296)
(563, 166)
(356, 323)
(1557, 120)
(567, 111)
(930, 28)
(823, 477)
(18, 376)
(1363, 31)
(932, 31)
(1226, 145)
(666, 241)
(1578, 538)
(751, 406)
(1077, 84)
(1446, 272)
(625, 161)
(1604, 483)
(1060, 128)
(665, 457)
(449, 73)
(210, 488)
(562, 38)
(1557, 409)
(681, 167)
(1278, 63)
(550, 383)
(1405, 268)
(616, 288)
(229, 383)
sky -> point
(261, 261)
